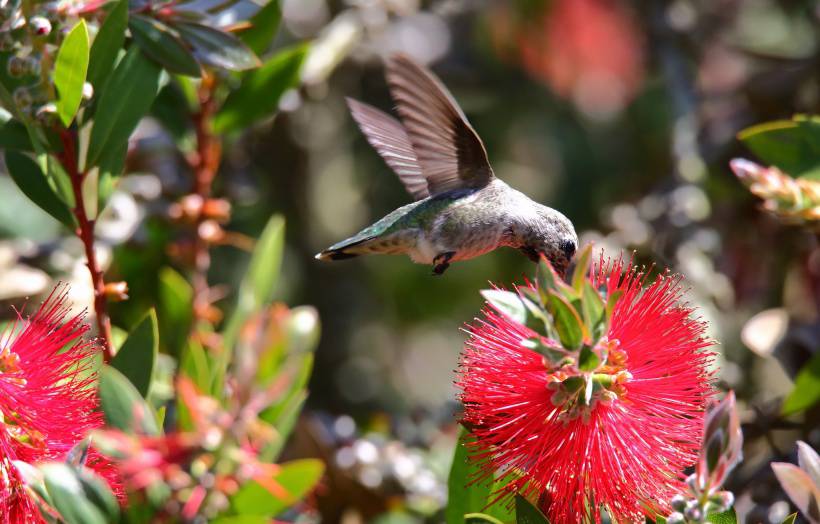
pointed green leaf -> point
(791, 145)
(137, 356)
(526, 513)
(481, 517)
(806, 391)
(217, 48)
(791, 519)
(464, 496)
(727, 517)
(13, 136)
(163, 44)
(107, 44)
(566, 320)
(581, 272)
(507, 303)
(258, 95)
(125, 99)
(594, 310)
(70, 69)
(588, 360)
(32, 182)
(122, 404)
(611, 302)
(264, 25)
(297, 478)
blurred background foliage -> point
(623, 115)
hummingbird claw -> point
(442, 262)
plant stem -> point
(85, 232)
(205, 164)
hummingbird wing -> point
(390, 140)
(448, 149)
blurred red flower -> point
(626, 446)
(587, 51)
(48, 402)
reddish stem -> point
(205, 164)
(85, 232)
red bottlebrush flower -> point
(48, 402)
(614, 434)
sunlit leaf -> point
(122, 404)
(526, 513)
(70, 69)
(581, 271)
(264, 25)
(297, 478)
(791, 145)
(507, 303)
(79, 495)
(175, 298)
(566, 320)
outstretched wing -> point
(388, 137)
(448, 149)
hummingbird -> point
(461, 209)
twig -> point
(205, 164)
(85, 232)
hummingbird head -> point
(550, 234)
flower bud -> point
(32, 66)
(16, 66)
(679, 502)
(22, 98)
(210, 231)
(722, 500)
(675, 518)
(116, 291)
(88, 91)
(218, 209)
(40, 25)
(693, 512)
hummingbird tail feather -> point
(335, 254)
(344, 249)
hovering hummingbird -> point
(461, 210)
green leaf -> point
(32, 182)
(566, 320)
(297, 478)
(122, 404)
(581, 271)
(259, 93)
(727, 517)
(792, 145)
(126, 97)
(79, 495)
(806, 392)
(175, 298)
(70, 69)
(13, 136)
(791, 519)
(137, 356)
(588, 360)
(507, 303)
(526, 513)
(242, 519)
(195, 366)
(463, 496)
(163, 44)
(264, 25)
(107, 44)
(594, 310)
(217, 48)
(611, 302)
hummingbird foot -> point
(442, 262)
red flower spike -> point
(617, 437)
(48, 402)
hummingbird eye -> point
(568, 247)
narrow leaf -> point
(175, 298)
(581, 271)
(790, 519)
(70, 69)
(258, 95)
(568, 324)
(217, 48)
(126, 97)
(32, 182)
(107, 44)
(506, 303)
(68, 496)
(138, 354)
(296, 479)
(809, 461)
(593, 309)
(464, 496)
(163, 44)
(481, 517)
(726, 517)
(264, 25)
(799, 487)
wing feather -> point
(448, 149)
(389, 138)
